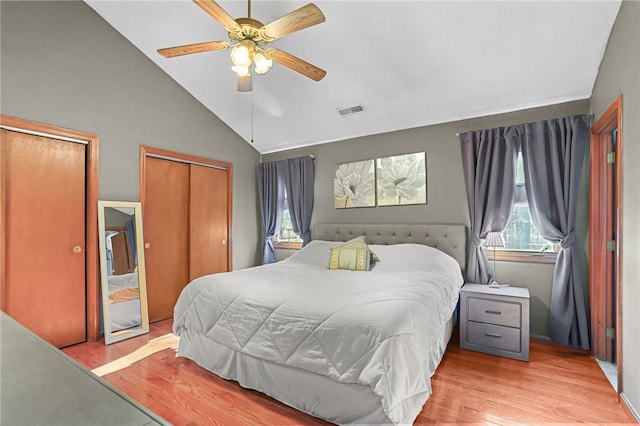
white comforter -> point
(124, 314)
(371, 328)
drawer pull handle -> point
(493, 335)
(493, 312)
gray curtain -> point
(489, 159)
(131, 235)
(299, 176)
(271, 195)
(553, 152)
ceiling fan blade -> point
(296, 64)
(188, 49)
(245, 83)
(305, 17)
(218, 13)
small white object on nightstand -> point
(495, 320)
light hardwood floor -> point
(557, 385)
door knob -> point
(147, 245)
(77, 249)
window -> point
(522, 241)
(285, 238)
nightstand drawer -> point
(494, 336)
(495, 312)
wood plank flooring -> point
(558, 385)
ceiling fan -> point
(249, 38)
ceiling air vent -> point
(351, 110)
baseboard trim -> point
(540, 336)
(630, 407)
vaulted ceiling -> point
(408, 63)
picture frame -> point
(401, 180)
(354, 185)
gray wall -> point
(447, 202)
(620, 75)
(115, 218)
(62, 64)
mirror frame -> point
(117, 336)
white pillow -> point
(411, 257)
(315, 253)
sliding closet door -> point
(208, 221)
(186, 204)
(166, 233)
(43, 282)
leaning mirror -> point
(124, 291)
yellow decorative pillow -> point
(359, 243)
(358, 259)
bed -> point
(124, 301)
(348, 347)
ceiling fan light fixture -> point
(241, 53)
(263, 64)
(241, 71)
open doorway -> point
(605, 243)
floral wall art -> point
(390, 181)
(402, 180)
(354, 185)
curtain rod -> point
(312, 157)
(589, 114)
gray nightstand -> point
(495, 321)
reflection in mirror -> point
(124, 294)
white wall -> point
(620, 75)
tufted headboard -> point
(451, 239)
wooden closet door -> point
(208, 221)
(120, 251)
(166, 234)
(43, 284)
